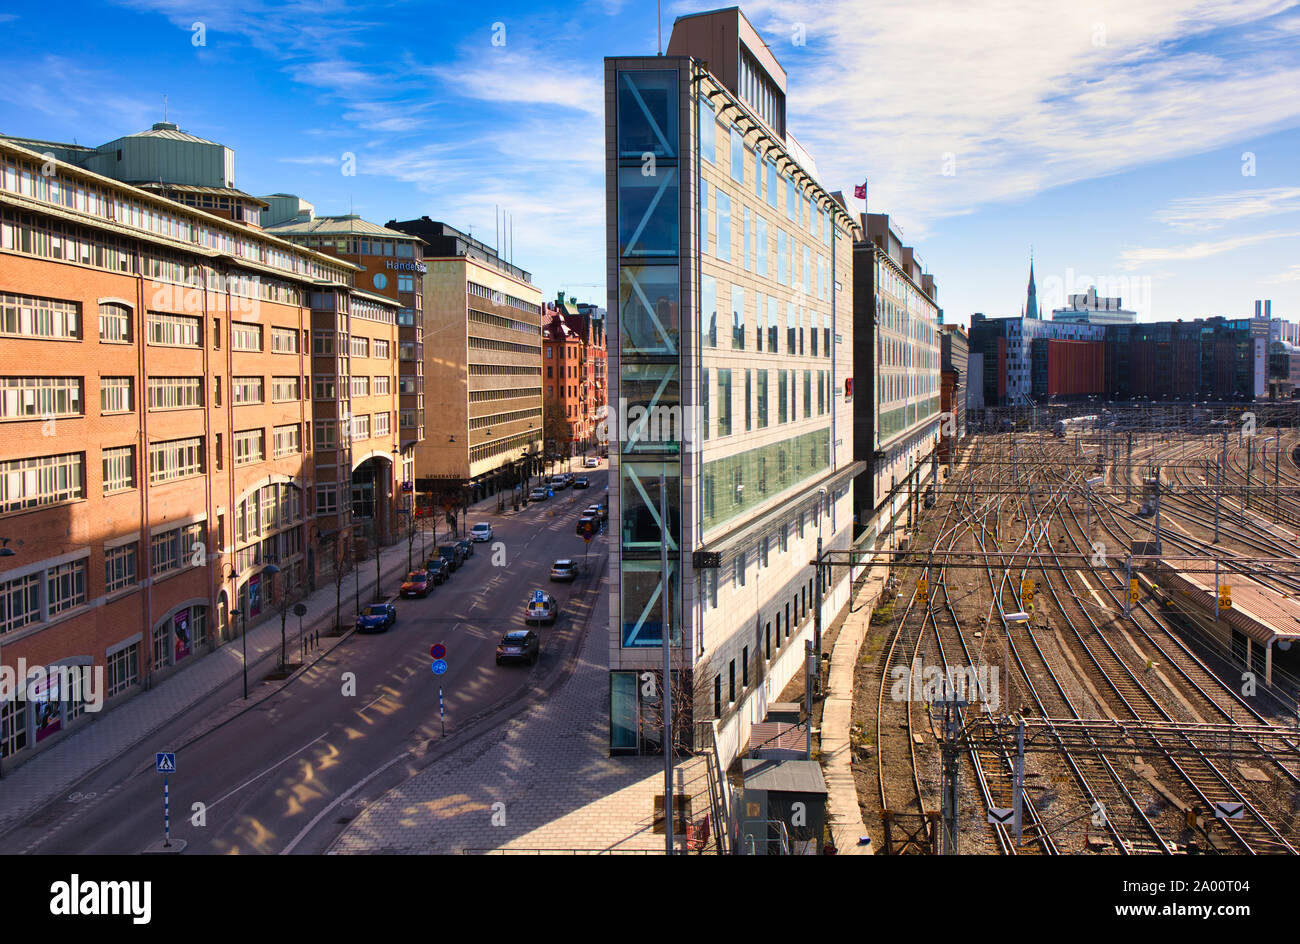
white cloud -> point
(1134, 258)
(1202, 213)
(1290, 274)
(1018, 92)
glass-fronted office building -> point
(730, 293)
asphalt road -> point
(288, 774)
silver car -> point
(541, 608)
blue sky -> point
(1151, 147)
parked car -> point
(564, 571)
(591, 462)
(580, 529)
(376, 618)
(521, 645)
(541, 608)
(481, 531)
(437, 570)
(466, 547)
(418, 583)
(599, 510)
(559, 483)
(537, 494)
(452, 555)
(581, 482)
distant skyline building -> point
(1090, 308)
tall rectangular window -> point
(773, 324)
(724, 225)
(724, 402)
(791, 347)
(704, 403)
(791, 200)
(737, 156)
(748, 258)
(708, 311)
(812, 335)
(782, 396)
(826, 334)
(119, 469)
(704, 216)
(772, 191)
(760, 246)
(758, 173)
(737, 318)
(807, 271)
(749, 400)
(708, 134)
(120, 567)
(781, 275)
(762, 399)
(807, 394)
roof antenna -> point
(164, 108)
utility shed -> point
(784, 807)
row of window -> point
(767, 323)
(39, 596)
(481, 422)
(758, 246)
(501, 298)
(756, 395)
(510, 324)
(504, 393)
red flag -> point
(860, 191)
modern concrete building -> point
(897, 422)
(731, 299)
(482, 368)
(156, 452)
(1089, 308)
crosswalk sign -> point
(165, 763)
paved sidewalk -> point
(845, 813)
(49, 773)
(543, 781)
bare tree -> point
(342, 560)
(284, 602)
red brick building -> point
(156, 416)
(575, 381)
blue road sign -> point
(550, 493)
(165, 763)
(539, 596)
(439, 666)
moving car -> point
(591, 462)
(541, 608)
(537, 494)
(521, 645)
(564, 571)
(559, 483)
(418, 583)
(581, 482)
(581, 528)
(466, 547)
(481, 531)
(376, 618)
(437, 570)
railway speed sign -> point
(1225, 597)
(922, 586)
(1133, 590)
(1026, 591)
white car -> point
(591, 462)
(481, 532)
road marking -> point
(293, 844)
(382, 697)
(268, 770)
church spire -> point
(1031, 302)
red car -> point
(418, 583)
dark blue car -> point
(376, 618)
